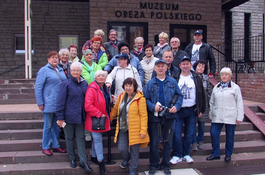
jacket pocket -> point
(230, 112)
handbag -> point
(98, 123)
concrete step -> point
(36, 156)
(17, 101)
(23, 115)
(20, 134)
(64, 168)
(16, 91)
(21, 96)
(17, 86)
(243, 126)
(27, 81)
(21, 124)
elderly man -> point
(178, 54)
(138, 51)
(161, 91)
(201, 51)
(112, 45)
(171, 69)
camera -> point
(165, 109)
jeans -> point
(215, 136)
(185, 116)
(123, 143)
(69, 131)
(155, 131)
(97, 146)
(50, 131)
(201, 128)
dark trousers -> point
(154, 129)
(215, 136)
(187, 117)
(78, 130)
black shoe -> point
(166, 171)
(227, 158)
(94, 160)
(152, 171)
(85, 166)
(102, 167)
(72, 164)
(211, 157)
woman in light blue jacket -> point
(48, 81)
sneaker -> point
(194, 147)
(188, 159)
(175, 160)
(124, 164)
(200, 146)
(166, 171)
(152, 171)
(88, 137)
(133, 173)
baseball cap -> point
(122, 55)
(197, 32)
(185, 57)
(160, 61)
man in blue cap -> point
(162, 94)
(199, 50)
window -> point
(128, 31)
(20, 44)
(66, 40)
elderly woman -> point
(73, 49)
(226, 108)
(70, 111)
(162, 45)
(97, 104)
(148, 63)
(49, 78)
(131, 128)
(199, 67)
(121, 72)
(64, 55)
(99, 56)
(89, 67)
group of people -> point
(156, 91)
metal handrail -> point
(10, 70)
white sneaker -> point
(175, 160)
(188, 159)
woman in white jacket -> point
(121, 72)
(226, 108)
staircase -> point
(21, 133)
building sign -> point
(172, 14)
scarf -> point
(224, 85)
(161, 46)
(148, 60)
(90, 70)
(137, 52)
(123, 112)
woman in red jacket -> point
(97, 104)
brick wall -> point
(50, 19)
(252, 86)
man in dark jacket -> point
(193, 106)
(178, 54)
(201, 51)
(112, 45)
(160, 91)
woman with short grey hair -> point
(64, 55)
(226, 108)
(70, 114)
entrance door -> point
(128, 31)
(185, 33)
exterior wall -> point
(50, 19)
(102, 11)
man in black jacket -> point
(201, 51)
(178, 54)
(193, 106)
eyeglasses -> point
(139, 43)
(113, 34)
(101, 75)
(76, 70)
(123, 49)
(173, 42)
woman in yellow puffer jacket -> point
(131, 128)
